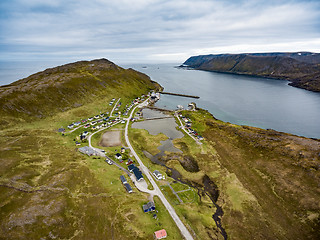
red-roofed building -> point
(160, 234)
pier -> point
(160, 109)
(181, 95)
(157, 118)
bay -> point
(243, 100)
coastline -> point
(291, 82)
(256, 128)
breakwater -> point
(181, 95)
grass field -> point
(254, 186)
(48, 190)
(266, 182)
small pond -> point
(167, 126)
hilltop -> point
(65, 87)
(48, 189)
(302, 69)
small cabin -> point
(128, 187)
(123, 179)
(149, 207)
(160, 234)
(157, 174)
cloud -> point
(146, 30)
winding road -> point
(142, 185)
(104, 128)
(184, 231)
(184, 129)
(115, 105)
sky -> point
(154, 31)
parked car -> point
(109, 161)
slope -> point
(65, 87)
(301, 69)
(49, 190)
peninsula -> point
(302, 69)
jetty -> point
(157, 118)
(181, 95)
(159, 109)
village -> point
(123, 157)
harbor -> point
(181, 95)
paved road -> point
(104, 128)
(184, 231)
(81, 125)
(115, 105)
(118, 165)
(184, 129)
(74, 129)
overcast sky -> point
(154, 30)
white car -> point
(109, 161)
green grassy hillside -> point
(65, 87)
(265, 182)
(49, 190)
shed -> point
(123, 179)
(90, 151)
(149, 207)
(128, 187)
(157, 174)
(160, 234)
(129, 161)
(61, 130)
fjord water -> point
(260, 102)
(243, 100)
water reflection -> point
(167, 126)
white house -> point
(158, 175)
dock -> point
(160, 109)
(157, 118)
(181, 95)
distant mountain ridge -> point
(302, 69)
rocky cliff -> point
(302, 69)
